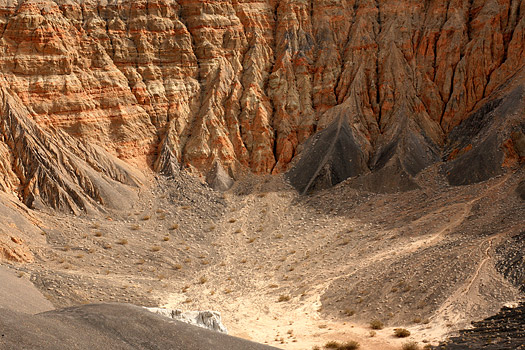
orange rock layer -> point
(244, 83)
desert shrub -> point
(332, 345)
(376, 324)
(411, 345)
(122, 241)
(283, 298)
(401, 332)
(349, 345)
(349, 312)
(155, 248)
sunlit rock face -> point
(162, 84)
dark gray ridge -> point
(218, 179)
(109, 327)
(504, 331)
(511, 260)
(329, 157)
(478, 141)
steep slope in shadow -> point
(401, 154)
(109, 326)
(331, 156)
(499, 332)
(491, 140)
(49, 168)
(340, 152)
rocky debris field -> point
(504, 331)
(294, 271)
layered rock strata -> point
(162, 83)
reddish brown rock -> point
(163, 84)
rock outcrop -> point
(206, 319)
(511, 260)
(165, 84)
(49, 168)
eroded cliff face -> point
(244, 84)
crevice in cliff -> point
(470, 17)
(378, 69)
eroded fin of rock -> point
(206, 319)
(218, 179)
(330, 157)
(54, 170)
(489, 141)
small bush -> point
(411, 345)
(401, 332)
(283, 298)
(174, 227)
(376, 324)
(155, 248)
(332, 345)
(232, 220)
(350, 345)
(145, 217)
(166, 238)
(122, 241)
(203, 280)
(177, 266)
(349, 312)
(98, 234)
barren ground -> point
(293, 271)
